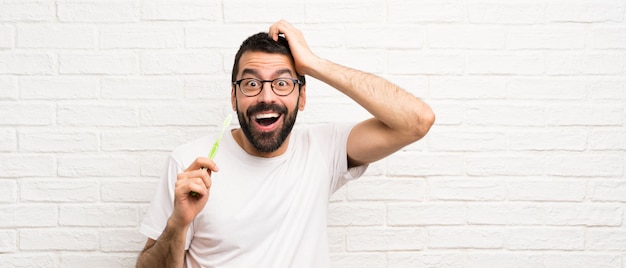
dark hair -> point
(262, 42)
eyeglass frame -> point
(295, 82)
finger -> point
(203, 175)
(189, 186)
(202, 162)
(280, 27)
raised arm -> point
(399, 117)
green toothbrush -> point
(216, 145)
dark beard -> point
(267, 142)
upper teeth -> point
(265, 116)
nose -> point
(267, 93)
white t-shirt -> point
(261, 212)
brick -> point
(548, 139)
(97, 115)
(181, 10)
(141, 140)
(369, 239)
(417, 85)
(574, 63)
(350, 11)
(585, 11)
(26, 63)
(402, 214)
(510, 165)
(109, 165)
(478, 189)
(57, 141)
(385, 37)
(191, 114)
(410, 63)
(607, 140)
(196, 62)
(218, 36)
(24, 215)
(466, 37)
(546, 37)
(467, 88)
(505, 115)
(59, 190)
(9, 88)
(511, 12)
(367, 60)
(546, 189)
(128, 190)
(585, 115)
(359, 260)
(425, 259)
(142, 88)
(546, 89)
(332, 111)
(607, 89)
(387, 189)
(141, 37)
(121, 240)
(8, 140)
(407, 11)
(336, 239)
(587, 165)
(465, 237)
(506, 214)
(27, 10)
(27, 165)
(8, 191)
(8, 241)
(208, 87)
(608, 190)
(57, 239)
(50, 88)
(98, 11)
(356, 214)
(519, 63)
(31, 260)
(248, 11)
(97, 260)
(448, 113)
(545, 239)
(98, 215)
(26, 114)
(608, 37)
(56, 36)
(7, 33)
(98, 63)
(420, 164)
(584, 215)
(582, 260)
(153, 163)
(606, 239)
(457, 140)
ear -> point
(233, 98)
(302, 101)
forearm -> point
(167, 251)
(396, 108)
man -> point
(266, 205)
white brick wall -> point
(525, 166)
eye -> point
(282, 83)
(252, 83)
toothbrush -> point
(216, 145)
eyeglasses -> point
(251, 87)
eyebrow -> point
(255, 73)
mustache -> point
(266, 107)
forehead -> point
(264, 64)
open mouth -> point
(266, 119)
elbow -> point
(424, 122)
